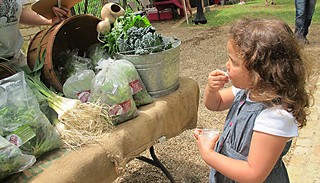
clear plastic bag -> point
(96, 52)
(21, 116)
(69, 62)
(12, 160)
(77, 63)
(78, 86)
(110, 86)
(138, 90)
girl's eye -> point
(233, 61)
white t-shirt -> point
(10, 37)
(274, 120)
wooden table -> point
(167, 116)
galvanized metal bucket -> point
(159, 71)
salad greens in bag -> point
(69, 62)
(21, 116)
(110, 86)
(138, 90)
(78, 86)
(96, 52)
(12, 160)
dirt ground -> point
(202, 50)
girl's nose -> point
(227, 64)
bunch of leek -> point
(78, 123)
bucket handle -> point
(8, 68)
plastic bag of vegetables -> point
(110, 86)
(78, 86)
(77, 63)
(96, 52)
(21, 116)
(12, 160)
(70, 62)
(138, 90)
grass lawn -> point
(284, 9)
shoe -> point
(304, 40)
(242, 3)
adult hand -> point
(61, 14)
(216, 80)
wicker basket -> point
(78, 31)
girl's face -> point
(238, 73)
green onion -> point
(58, 103)
(78, 123)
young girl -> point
(267, 103)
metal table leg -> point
(156, 162)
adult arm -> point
(30, 17)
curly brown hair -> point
(276, 64)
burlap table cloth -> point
(167, 116)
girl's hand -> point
(61, 14)
(205, 144)
(216, 80)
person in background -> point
(304, 13)
(11, 15)
(242, 2)
(267, 103)
(188, 6)
(272, 3)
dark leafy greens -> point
(141, 41)
(120, 27)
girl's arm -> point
(30, 17)
(265, 150)
(216, 99)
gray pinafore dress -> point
(235, 139)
